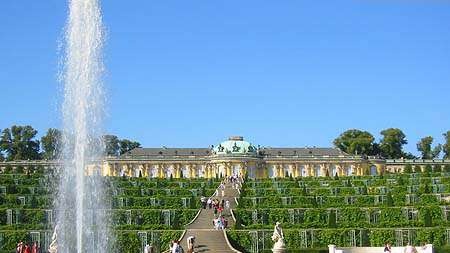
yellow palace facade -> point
(236, 156)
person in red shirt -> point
(27, 248)
(35, 248)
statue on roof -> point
(220, 148)
(236, 148)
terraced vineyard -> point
(152, 211)
(349, 211)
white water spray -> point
(80, 204)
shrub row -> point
(125, 241)
(247, 240)
(347, 217)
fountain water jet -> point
(80, 204)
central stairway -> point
(207, 239)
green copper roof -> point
(234, 145)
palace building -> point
(236, 156)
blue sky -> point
(281, 73)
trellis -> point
(410, 213)
(255, 216)
(260, 240)
(154, 202)
(3, 190)
(186, 202)
(167, 217)
(411, 199)
(143, 238)
(9, 216)
(448, 236)
(35, 237)
(285, 201)
(49, 216)
(446, 212)
(22, 200)
(404, 237)
(128, 216)
(374, 216)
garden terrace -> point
(142, 210)
(346, 211)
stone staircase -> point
(206, 238)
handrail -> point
(228, 242)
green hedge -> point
(347, 217)
(126, 241)
(245, 240)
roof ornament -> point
(236, 148)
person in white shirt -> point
(410, 249)
(190, 244)
(176, 247)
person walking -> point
(190, 244)
(203, 202)
(20, 247)
(387, 248)
(35, 248)
(410, 249)
(176, 247)
(209, 203)
(27, 248)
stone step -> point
(207, 241)
(206, 238)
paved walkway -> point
(206, 238)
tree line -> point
(359, 142)
(21, 143)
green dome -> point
(235, 145)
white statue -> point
(53, 248)
(278, 238)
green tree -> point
(424, 147)
(2, 158)
(112, 145)
(391, 145)
(355, 142)
(19, 143)
(51, 143)
(446, 146)
(127, 145)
